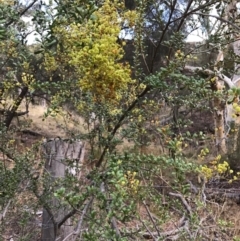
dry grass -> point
(61, 125)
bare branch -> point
(163, 33)
(192, 12)
(118, 125)
(21, 13)
(113, 219)
(3, 214)
(185, 14)
(66, 217)
(21, 113)
(81, 160)
(149, 234)
(220, 19)
(223, 77)
(80, 222)
(183, 224)
(150, 215)
(180, 196)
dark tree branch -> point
(21, 113)
(163, 34)
(184, 15)
(80, 222)
(41, 96)
(6, 112)
(191, 12)
(66, 217)
(118, 125)
(21, 13)
(12, 112)
(220, 19)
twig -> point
(171, 232)
(203, 195)
(7, 153)
(219, 18)
(79, 225)
(81, 160)
(21, 13)
(164, 234)
(173, 238)
(149, 234)
(199, 226)
(3, 214)
(186, 227)
(223, 77)
(183, 201)
(65, 218)
(150, 215)
(193, 187)
(115, 227)
(113, 219)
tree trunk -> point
(231, 14)
(56, 152)
(223, 112)
(219, 108)
(219, 123)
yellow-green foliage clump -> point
(218, 169)
(128, 183)
(233, 97)
(125, 182)
(236, 109)
(6, 2)
(132, 183)
(93, 51)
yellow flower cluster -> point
(131, 18)
(130, 183)
(203, 153)
(142, 87)
(27, 79)
(179, 55)
(216, 169)
(236, 177)
(223, 168)
(207, 172)
(50, 63)
(115, 112)
(94, 52)
(236, 108)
